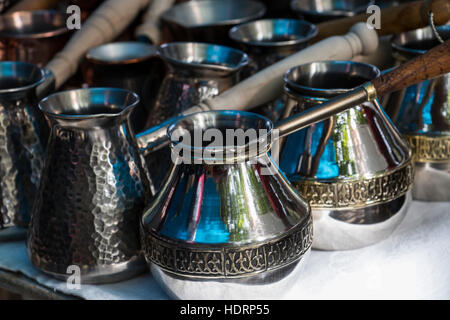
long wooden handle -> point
(430, 65)
(151, 27)
(401, 18)
(29, 5)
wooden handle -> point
(151, 27)
(29, 5)
(430, 65)
(401, 18)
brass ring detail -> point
(428, 148)
(358, 193)
(228, 261)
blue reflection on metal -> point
(295, 144)
(210, 229)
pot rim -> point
(203, 45)
(296, 7)
(90, 55)
(33, 68)
(263, 140)
(310, 35)
(291, 86)
(169, 15)
(399, 41)
(36, 35)
(65, 116)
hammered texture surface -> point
(22, 137)
(93, 190)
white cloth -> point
(413, 263)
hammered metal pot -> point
(232, 228)
(422, 114)
(23, 134)
(324, 10)
(32, 36)
(209, 20)
(354, 168)
(195, 72)
(93, 189)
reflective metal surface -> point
(128, 65)
(268, 41)
(23, 134)
(354, 168)
(422, 114)
(195, 72)
(324, 10)
(209, 20)
(32, 36)
(94, 187)
(226, 230)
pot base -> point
(353, 229)
(103, 274)
(431, 181)
(265, 285)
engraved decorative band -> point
(229, 262)
(358, 193)
(429, 149)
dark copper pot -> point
(32, 36)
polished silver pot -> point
(23, 134)
(354, 168)
(232, 228)
(422, 114)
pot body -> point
(93, 189)
(195, 72)
(226, 231)
(354, 168)
(422, 114)
(23, 133)
(32, 36)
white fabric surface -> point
(413, 263)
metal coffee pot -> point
(422, 114)
(323, 10)
(209, 20)
(228, 224)
(195, 72)
(32, 36)
(128, 65)
(353, 168)
(23, 133)
(94, 187)
(232, 228)
(269, 41)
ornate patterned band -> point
(229, 262)
(429, 149)
(358, 193)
